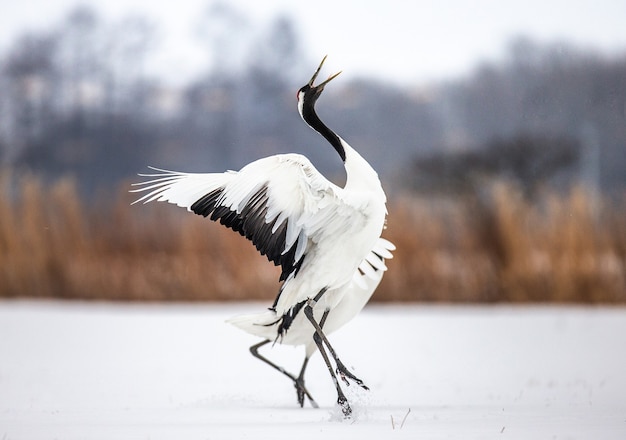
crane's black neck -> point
(310, 117)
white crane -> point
(357, 293)
(318, 232)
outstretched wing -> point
(278, 203)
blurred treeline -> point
(507, 184)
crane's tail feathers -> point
(264, 325)
(372, 268)
(384, 248)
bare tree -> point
(30, 75)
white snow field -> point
(119, 371)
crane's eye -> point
(303, 89)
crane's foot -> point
(303, 392)
(345, 374)
(345, 407)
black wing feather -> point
(250, 223)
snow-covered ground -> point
(109, 371)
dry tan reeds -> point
(568, 248)
(565, 248)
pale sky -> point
(398, 40)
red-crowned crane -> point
(319, 233)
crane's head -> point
(310, 92)
(307, 96)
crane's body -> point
(353, 298)
(318, 232)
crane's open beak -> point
(321, 86)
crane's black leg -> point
(320, 340)
(300, 388)
(297, 381)
(300, 379)
(341, 398)
(344, 373)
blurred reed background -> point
(563, 248)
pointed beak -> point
(317, 71)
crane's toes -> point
(302, 393)
(300, 397)
(345, 407)
(345, 374)
(343, 377)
